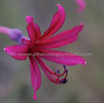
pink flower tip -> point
(84, 63)
(35, 97)
(58, 5)
(4, 49)
(81, 4)
(82, 23)
(29, 19)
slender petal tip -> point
(16, 50)
(4, 49)
(81, 61)
(84, 63)
(58, 5)
(82, 23)
(35, 97)
(82, 5)
(29, 19)
(81, 26)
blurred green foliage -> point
(85, 83)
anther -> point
(61, 81)
(66, 71)
(57, 71)
(64, 66)
(65, 80)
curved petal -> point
(26, 41)
(56, 23)
(81, 4)
(29, 19)
(61, 57)
(18, 52)
(31, 33)
(38, 32)
(64, 34)
(35, 76)
(33, 29)
(62, 38)
(58, 43)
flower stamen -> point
(64, 81)
(57, 73)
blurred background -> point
(85, 83)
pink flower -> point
(43, 44)
(81, 4)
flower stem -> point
(4, 30)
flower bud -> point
(16, 35)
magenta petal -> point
(33, 29)
(29, 19)
(18, 52)
(35, 76)
(81, 4)
(25, 41)
(37, 29)
(62, 38)
(58, 43)
(32, 33)
(61, 57)
(56, 23)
